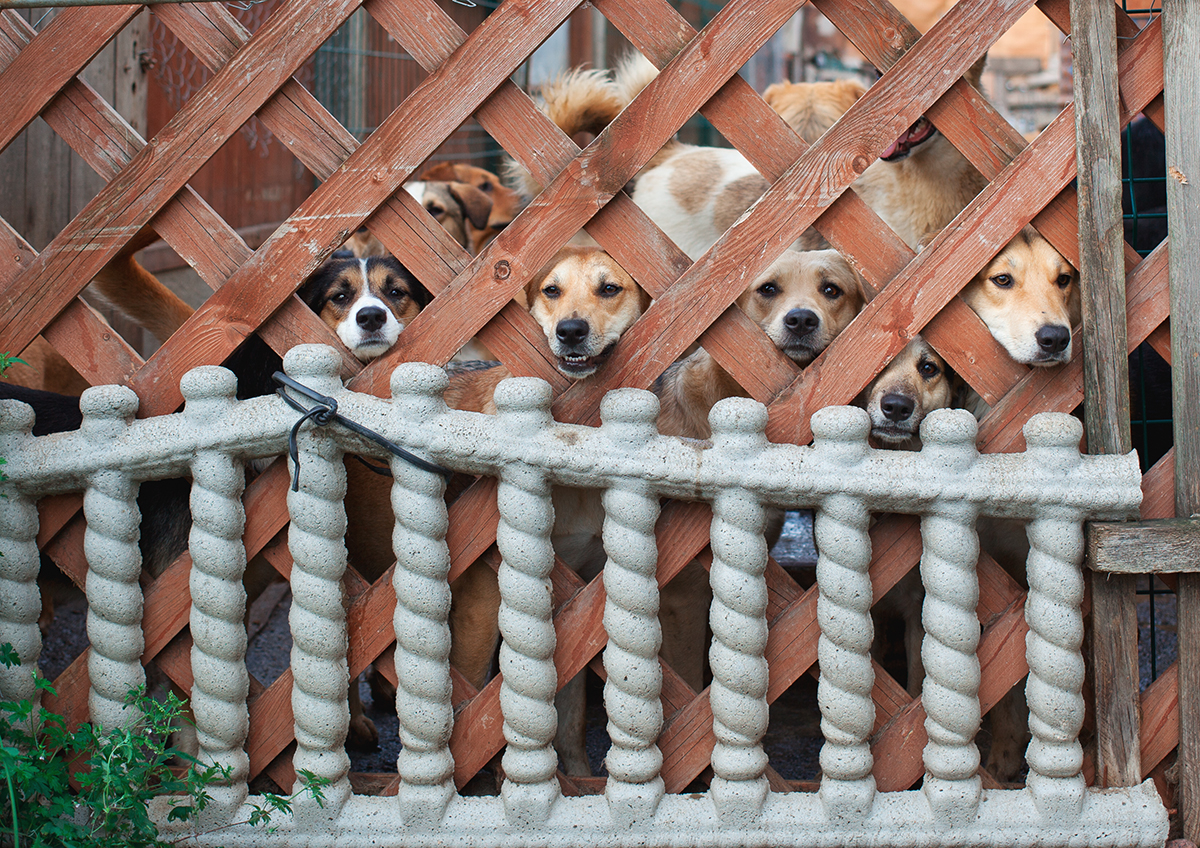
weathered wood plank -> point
(160, 169)
(1164, 546)
(68, 43)
(1181, 96)
(1105, 375)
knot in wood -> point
(501, 270)
(859, 164)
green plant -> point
(120, 770)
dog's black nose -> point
(801, 321)
(1053, 338)
(896, 407)
(371, 318)
(572, 331)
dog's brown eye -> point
(551, 291)
(486, 187)
(397, 292)
(435, 210)
(768, 289)
(610, 289)
(340, 297)
(928, 370)
(831, 291)
(1064, 280)
(1004, 281)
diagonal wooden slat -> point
(811, 184)
(161, 169)
(62, 50)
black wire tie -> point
(323, 413)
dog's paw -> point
(362, 735)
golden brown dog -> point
(921, 181)
(506, 203)
(802, 301)
(458, 207)
(1028, 296)
(583, 302)
(810, 108)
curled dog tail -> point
(579, 101)
(634, 72)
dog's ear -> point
(420, 295)
(442, 172)
(314, 288)
(476, 205)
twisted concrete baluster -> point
(844, 615)
(110, 543)
(1054, 689)
(19, 567)
(738, 619)
(634, 685)
(218, 628)
(318, 616)
(527, 652)
(950, 692)
(423, 692)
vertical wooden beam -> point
(1106, 375)
(1181, 78)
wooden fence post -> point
(1181, 78)
(1106, 377)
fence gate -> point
(147, 182)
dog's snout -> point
(1053, 338)
(896, 407)
(801, 321)
(371, 318)
(571, 331)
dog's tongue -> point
(891, 150)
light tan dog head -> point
(913, 384)
(1028, 296)
(506, 203)
(810, 108)
(803, 300)
(584, 301)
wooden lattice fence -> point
(147, 182)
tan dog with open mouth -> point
(921, 182)
(584, 301)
